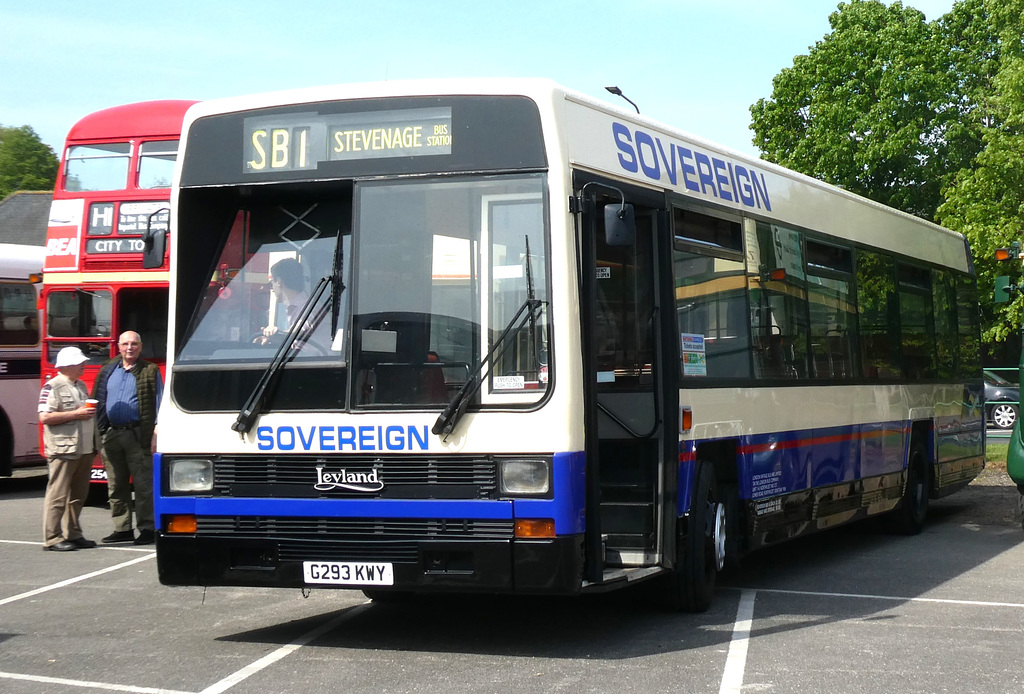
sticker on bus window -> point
(693, 354)
(509, 383)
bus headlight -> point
(190, 475)
(521, 477)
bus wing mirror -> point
(155, 241)
(619, 225)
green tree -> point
(26, 162)
(986, 201)
(886, 104)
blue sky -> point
(695, 64)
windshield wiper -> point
(303, 329)
(451, 414)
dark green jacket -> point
(146, 375)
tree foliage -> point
(927, 117)
(885, 105)
(26, 162)
(986, 200)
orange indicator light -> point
(181, 524)
(535, 528)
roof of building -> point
(24, 216)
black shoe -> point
(119, 536)
(145, 537)
(82, 543)
(62, 546)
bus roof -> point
(18, 261)
(851, 216)
(146, 118)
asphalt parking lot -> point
(852, 610)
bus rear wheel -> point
(909, 517)
(701, 554)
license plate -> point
(348, 573)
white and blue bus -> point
(21, 272)
(496, 336)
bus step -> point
(612, 577)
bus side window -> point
(778, 295)
(878, 320)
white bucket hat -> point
(70, 356)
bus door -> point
(630, 448)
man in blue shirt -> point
(129, 390)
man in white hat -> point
(70, 441)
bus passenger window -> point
(156, 164)
(778, 303)
(711, 296)
(917, 326)
(78, 313)
(877, 315)
(97, 167)
(19, 318)
(832, 314)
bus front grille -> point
(351, 539)
(302, 476)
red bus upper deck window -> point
(97, 167)
(156, 164)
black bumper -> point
(552, 566)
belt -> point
(124, 427)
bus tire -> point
(910, 516)
(701, 554)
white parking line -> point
(271, 658)
(216, 688)
(76, 579)
(116, 548)
(736, 661)
(91, 685)
(893, 598)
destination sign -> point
(301, 141)
(135, 216)
(114, 245)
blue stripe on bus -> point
(784, 462)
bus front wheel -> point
(701, 553)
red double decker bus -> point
(113, 187)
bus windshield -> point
(433, 271)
